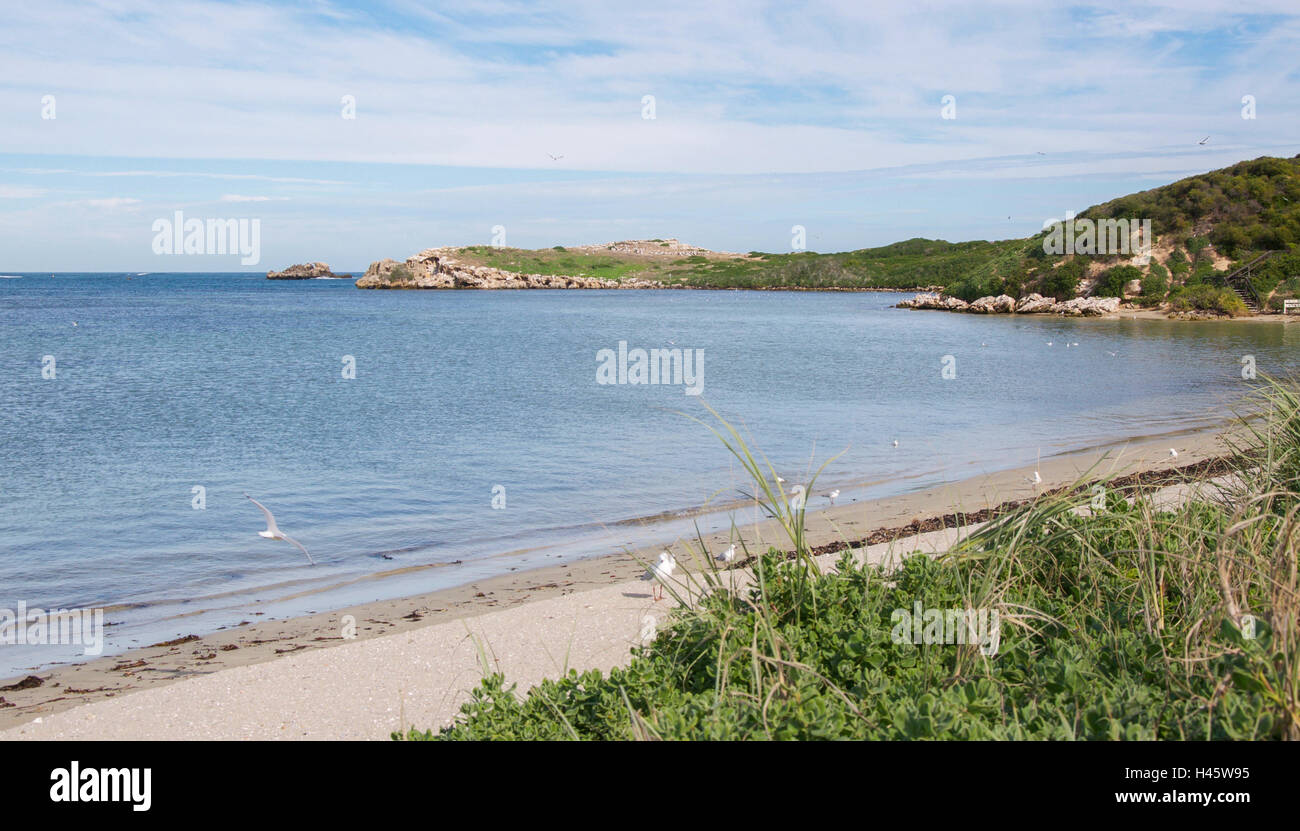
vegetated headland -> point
(1220, 244)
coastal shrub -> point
(400, 273)
(1177, 262)
(1112, 282)
(1062, 282)
(1208, 298)
(1155, 285)
(1125, 622)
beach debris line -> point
(273, 531)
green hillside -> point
(1204, 227)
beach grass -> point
(1119, 618)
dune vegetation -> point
(1119, 619)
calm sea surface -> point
(234, 384)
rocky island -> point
(306, 271)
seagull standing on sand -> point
(1036, 479)
(661, 571)
(1173, 454)
(273, 531)
(728, 555)
(833, 495)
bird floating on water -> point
(728, 555)
(895, 442)
(659, 572)
(273, 531)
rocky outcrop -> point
(934, 300)
(439, 268)
(1003, 304)
(304, 271)
(1087, 307)
(1035, 304)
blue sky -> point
(767, 115)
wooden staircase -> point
(1240, 284)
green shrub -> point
(1062, 282)
(1155, 285)
(1112, 282)
(1208, 298)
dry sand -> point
(414, 659)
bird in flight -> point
(555, 158)
(1204, 140)
(273, 531)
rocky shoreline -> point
(439, 268)
(1005, 304)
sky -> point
(535, 117)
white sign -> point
(1289, 306)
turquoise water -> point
(234, 383)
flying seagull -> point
(555, 158)
(659, 572)
(1204, 140)
(273, 531)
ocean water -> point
(235, 384)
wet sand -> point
(413, 660)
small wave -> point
(11, 276)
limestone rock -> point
(303, 271)
(439, 268)
(1087, 307)
(1031, 303)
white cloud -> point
(19, 192)
(745, 87)
(235, 197)
(111, 202)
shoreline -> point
(264, 644)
